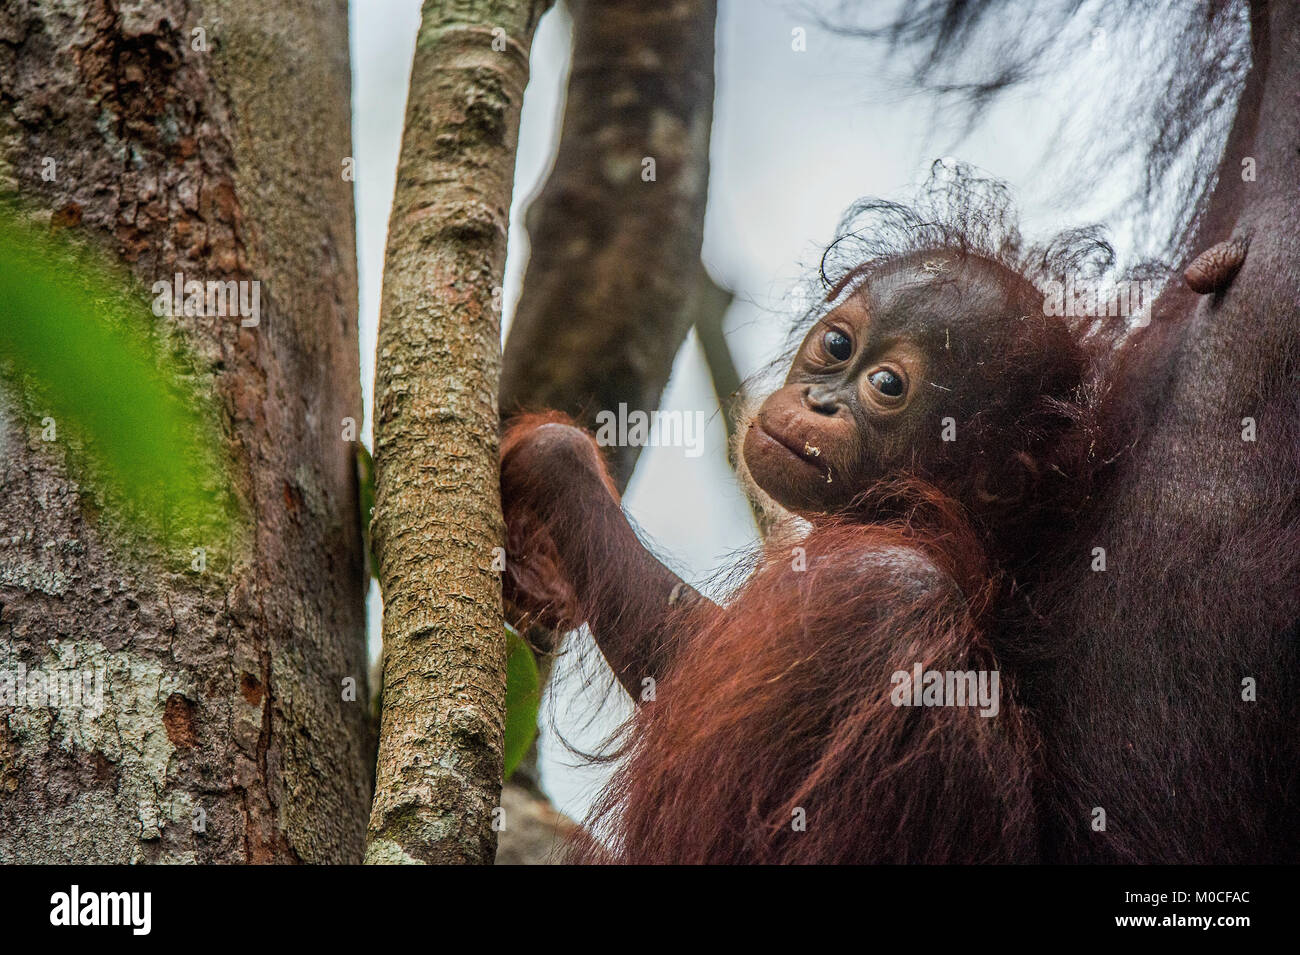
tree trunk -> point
(605, 303)
(615, 253)
(437, 518)
(207, 140)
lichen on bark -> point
(222, 687)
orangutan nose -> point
(822, 401)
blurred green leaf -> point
(77, 348)
(366, 494)
(523, 698)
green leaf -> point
(366, 495)
(82, 352)
(523, 698)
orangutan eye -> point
(886, 382)
(837, 345)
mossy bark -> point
(207, 139)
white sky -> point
(797, 137)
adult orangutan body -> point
(927, 425)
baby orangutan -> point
(846, 706)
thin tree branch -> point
(437, 515)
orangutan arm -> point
(573, 558)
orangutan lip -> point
(799, 450)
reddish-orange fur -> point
(767, 730)
(781, 701)
(779, 708)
